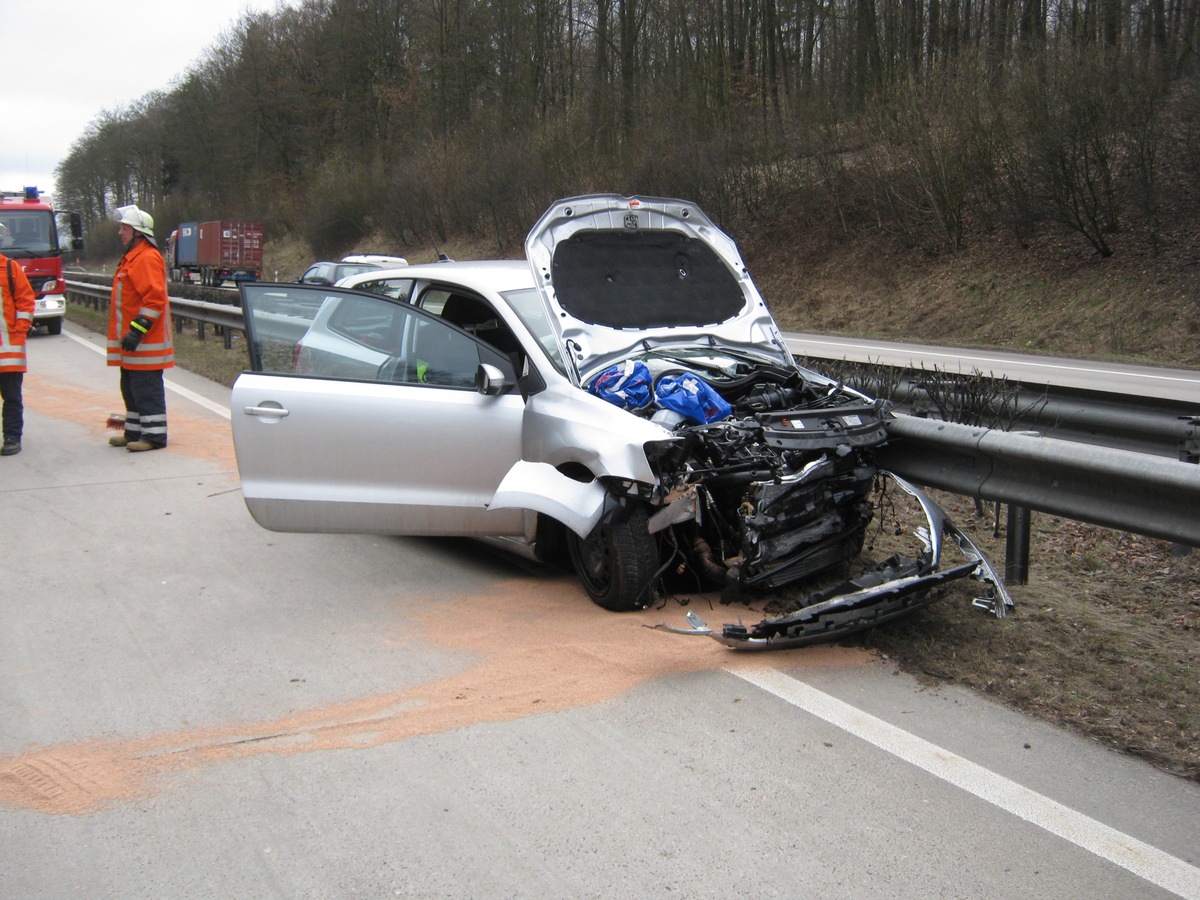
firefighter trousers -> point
(145, 406)
(14, 408)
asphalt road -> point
(191, 706)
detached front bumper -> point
(892, 589)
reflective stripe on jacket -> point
(18, 304)
(140, 289)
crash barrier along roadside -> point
(1113, 488)
(1107, 486)
(225, 319)
(1161, 426)
(1153, 425)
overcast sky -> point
(64, 62)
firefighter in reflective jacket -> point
(139, 333)
(17, 319)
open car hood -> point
(619, 274)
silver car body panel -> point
(542, 488)
(352, 456)
(486, 277)
(323, 464)
(568, 426)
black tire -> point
(54, 326)
(617, 563)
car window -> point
(477, 317)
(28, 230)
(444, 356)
(277, 317)
(369, 323)
(306, 330)
(315, 275)
(348, 269)
(433, 300)
(396, 288)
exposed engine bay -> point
(778, 488)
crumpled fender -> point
(566, 427)
(569, 427)
(542, 488)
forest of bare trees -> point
(411, 119)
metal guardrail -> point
(225, 318)
(1111, 487)
(1144, 424)
(1114, 488)
(1150, 425)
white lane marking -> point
(1150, 863)
(210, 405)
(997, 360)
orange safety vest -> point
(140, 289)
(19, 303)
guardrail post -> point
(1189, 447)
(1016, 546)
(1189, 452)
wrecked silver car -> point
(623, 398)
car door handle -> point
(267, 412)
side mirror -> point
(76, 231)
(490, 381)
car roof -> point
(484, 275)
(375, 259)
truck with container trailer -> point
(216, 252)
(29, 237)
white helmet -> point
(137, 219)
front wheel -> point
(54, 326)
(617, 562)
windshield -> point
(30, 230)
(528, 306)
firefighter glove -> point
(137, 330)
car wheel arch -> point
(540, 487)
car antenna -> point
(441, 257)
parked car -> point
(332, 272)
(622, 398)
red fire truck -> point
(29, 237)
